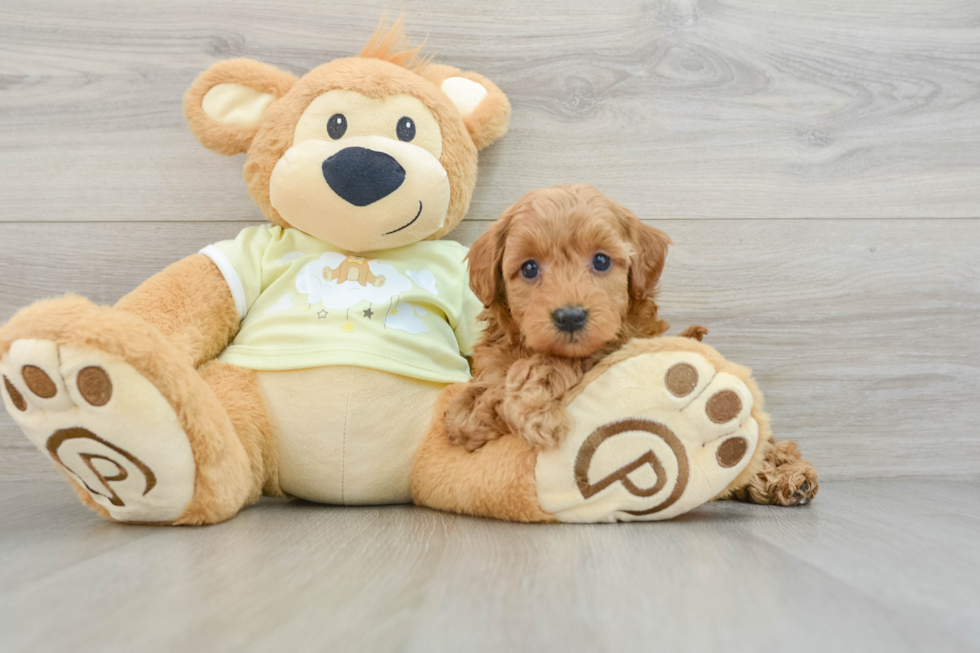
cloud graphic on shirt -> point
(292, 256)
(404, 318)
(284, 304)
(424, 280)
(331, 294)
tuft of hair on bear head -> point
(389, 43)
(367, 152)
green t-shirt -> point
(304, 303)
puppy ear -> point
(226, 102)
(649, 253)
(483, 106)
(486, 254)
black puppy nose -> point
(362, 176)
(570, 318)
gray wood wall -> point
(817, 165)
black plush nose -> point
(570, 318)
(362, 176)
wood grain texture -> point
(861, 569)
(725, 577)
(861, 333)
(816, 165)
(681, 108)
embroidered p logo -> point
(97, 463)
(587, 452)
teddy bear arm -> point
(496, 481)
(471, 418)
(190, 303)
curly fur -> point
(526, 371)
(524, 364)
(781, 477)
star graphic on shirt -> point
(321, 315)
(348, 326)
(368, 313)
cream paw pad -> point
(664, 432)
(104, 424)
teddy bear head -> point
(366, 153)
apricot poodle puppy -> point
(568, 276)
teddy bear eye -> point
(601, 262)
(529, 269)
(337, 125)
(405, 129)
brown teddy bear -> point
(279, 362)
(305, 357)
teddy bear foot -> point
(655, 435)
(105, 425)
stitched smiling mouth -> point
(410, 223)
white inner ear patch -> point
(235, 104)
(465, 93)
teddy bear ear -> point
(484, 108)
(225, 104)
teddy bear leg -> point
(237, 390)
(123, 414)
(497, 480)
(659, 428)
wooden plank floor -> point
(889, 564)
(816, 164)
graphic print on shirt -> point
(405, 317)
(291, 256)
(336, 294)
(424, 280)
(284, 304)
(339, 282)
(354, 268)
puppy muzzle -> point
(570, 319)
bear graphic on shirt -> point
(337, 292)
(354, 268)
(338, 281)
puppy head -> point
(569, 271)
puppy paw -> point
(544, 428)
(105, 425)
(536, 417)
(788, 484)
(469, 418)
(799, 487)
(654, 436)
(532, 403)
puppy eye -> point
(601, 262)
(529, 269)
(405, 129)
(337, 125)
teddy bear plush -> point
(307, 356)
